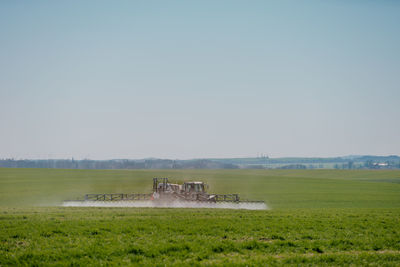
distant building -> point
(380, 165)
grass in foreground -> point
(196, 236)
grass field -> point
(316, 217)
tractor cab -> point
(194, 187)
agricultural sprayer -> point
(165, 193)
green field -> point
(316, 217)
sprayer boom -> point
(164, 191)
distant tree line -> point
(348, 163)
(117, 164)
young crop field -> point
(315, 217)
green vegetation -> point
(279, 188)
(169, 236)
(320, 217)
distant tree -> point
(294, 166)
(350, 165)
(336, 166)
(368, 164)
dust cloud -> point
(173, 204)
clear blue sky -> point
(193, 79)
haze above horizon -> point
(207, 79)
